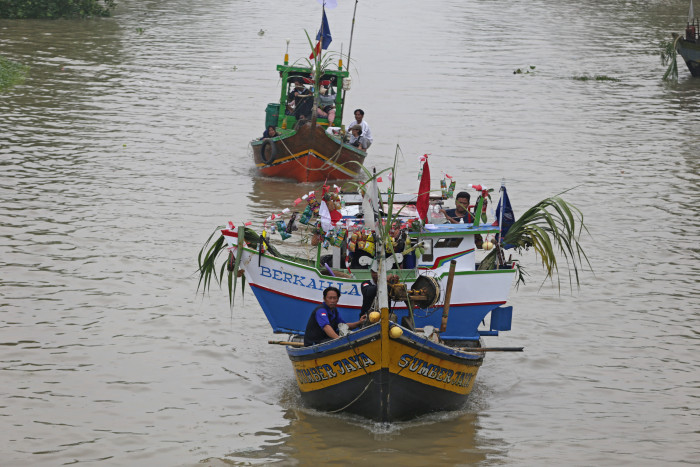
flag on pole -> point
(423, 201)
(508, 217)
(325, 216)
(323, 37)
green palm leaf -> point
(668, 57)
(550, 227)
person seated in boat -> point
(360, 120)
(271, 132)
(461, 213)
(357, 139)
(302, 100)
(369, 290)
(461, 210)
(324, 320)
(326, 108)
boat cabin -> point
(283, 115)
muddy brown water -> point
(127, 146)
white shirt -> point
(365, 129)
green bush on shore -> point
(52, 9)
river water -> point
(127, 146)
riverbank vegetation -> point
(11, 73)
(53, 9)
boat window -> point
(452, 242)
(428, 252)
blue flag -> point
(508, 216)
(324, 33)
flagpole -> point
(352, 31)
(380, 252)
(317, 74)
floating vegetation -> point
(139, 31)
(11, 73)
(596, 78)
(668, 57)
(525, 71)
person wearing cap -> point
(360, 120)
(357, 139)
(326, 108)
(324, 320)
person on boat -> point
(360, 120)
(271, 132)
(324, 320)
(461, 210)
(326, 108)
(461, 213)
(357, 139)
(302, 100)
(369, 290)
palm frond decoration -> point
(210, 252)
(207, 261)
(549, 226)
(668, 57)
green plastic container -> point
(272, 113)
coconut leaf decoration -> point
(211, 251)
(668, 57)
(551, 226)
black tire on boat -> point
(263, 151)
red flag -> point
(317, 50)
(423, 200)
(335, 217)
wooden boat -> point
(688, 46)
(422, 354)
(689, 49)
(308, 147)
(288, 288)
(384, 372)
(307, 153)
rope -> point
(354, 350)
(326, 163)
(355, 399)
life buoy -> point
(273, 151)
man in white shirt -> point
(359, 120)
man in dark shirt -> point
(324, 320)
(461, 210)
(303, 100)
(369, 291)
